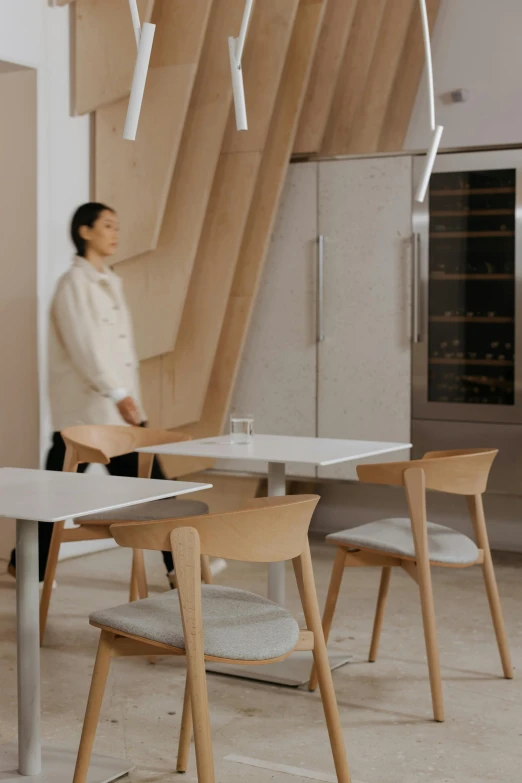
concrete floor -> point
(385, 707)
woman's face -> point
(103, 237)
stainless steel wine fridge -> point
(467, 302)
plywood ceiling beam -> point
(232, 191)
(365, 133)
(325, 72)
(104, 51)
(135, 177)
(407, 80)
(156, 283)
(353, 76)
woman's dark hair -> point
(86, 215)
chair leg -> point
(305, 581)
(186, 731)
(430, 635)
(197, 683)
(50, 573)
(133, 587)
(94, 703)
(331, 602)
(496, 614)
(476, 510)
(379, 613)
(138, 567)
(206, 573)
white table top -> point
(52, 496)
(281, 448)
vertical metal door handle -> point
(416, 318)
(320, 289)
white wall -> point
(476, 46)
(36, 35)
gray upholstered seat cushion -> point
(236, 624)
(169, 508)
(394, 536)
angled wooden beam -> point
(156, 283)
(227, 212)
(325, 72)
(104, 51)
(406, 84)
(364, 136)
(353, 75)
(135, 177)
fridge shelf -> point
(472, 212)
(470, 234)
(471, 191)
(470, 276)
(461, 319)
(481, 362)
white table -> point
(28, 496)
(278, 450)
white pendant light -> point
(144, 40)
(436, 130)
(236, 46)
(135, 14)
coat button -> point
(123, 336)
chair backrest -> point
(270, 530)
(100, 443)
(461, 472)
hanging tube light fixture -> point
(144, 40)
(235, 47)
(436, 130)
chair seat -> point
(236, 624)
(168, 508)
(394, 536)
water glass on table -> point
(241, 428)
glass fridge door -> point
(465, 354)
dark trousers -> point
(126, 465)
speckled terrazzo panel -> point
(365, 361)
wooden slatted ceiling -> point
(136, 176)
(365, 77)
(157, 283)
(104, 51)
(407, 79)
(335, 29)
(395, 20)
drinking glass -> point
(241, 428)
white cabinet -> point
(364, 363)
(357, 382)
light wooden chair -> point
(216, 623)
(415, 545)
(99, 444)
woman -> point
(93, 369)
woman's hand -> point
(129, 411)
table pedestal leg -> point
(17, 764)
(28, 649)
(276, 571)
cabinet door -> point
(277, 378)
(364, 363)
